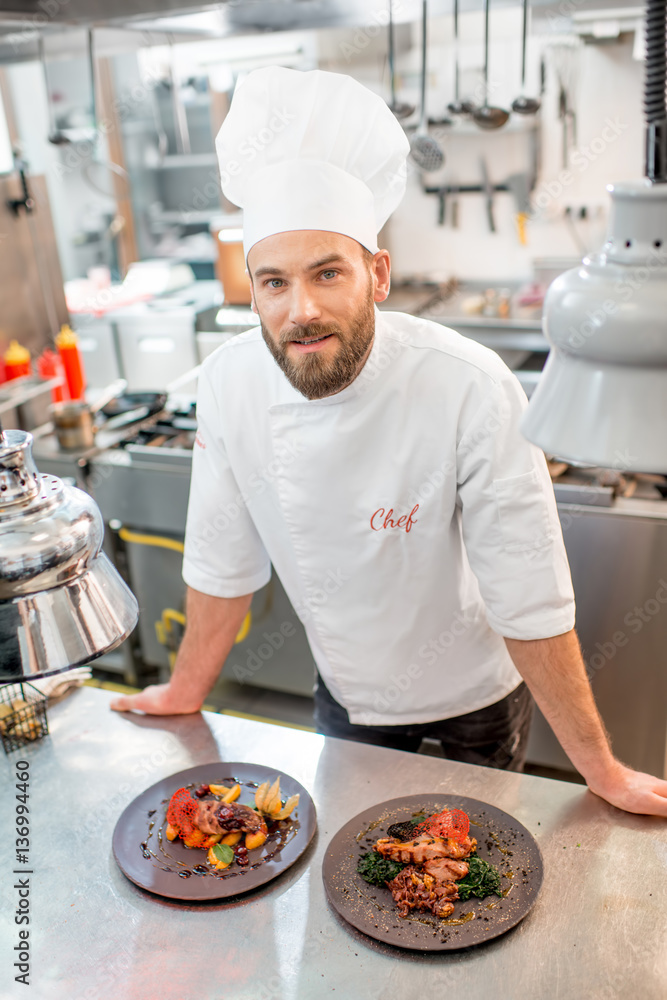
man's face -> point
(314, 293)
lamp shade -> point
(602, 397)
(62, 602)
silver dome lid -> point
(62, 602)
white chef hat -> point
(311, 150)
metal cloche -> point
(62, 602)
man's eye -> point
(274, 282)
(329, 273)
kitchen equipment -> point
(602, 399)
(457, 106)
(73, 420)
(488, 190)
(230, 269)
(564, 56)
(424, 149)
(519, 185)
(398, 108)
(126, 402)
(62, 603)
(523, 105)
(454, 217)
(488, 117)
(22, 715)
(156, 339)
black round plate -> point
(501, 840)
(143, 852)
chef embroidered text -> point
(404, 521)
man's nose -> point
(304, 308)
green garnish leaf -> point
(482, 880)
(377, 870)
(224, 853)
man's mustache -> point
(312, 331)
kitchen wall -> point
(605, 84)
(606, 92)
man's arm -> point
(212, 624)
(554, 671)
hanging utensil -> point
(525, 105)
(488, 190)
(564, 55)
(424, 149)
(457, 106)
(398, 108)
(488, 117)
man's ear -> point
(381, 271)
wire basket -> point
(22, 715)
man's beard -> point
(314, 375)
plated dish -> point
(399, 918)
(154, 854)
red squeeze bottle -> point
(49, 366)
(17, 361)
(68, 348)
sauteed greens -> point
(377, 870)
(482, 879)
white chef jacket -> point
(411, 524)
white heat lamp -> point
(602, 398)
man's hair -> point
(367, 255)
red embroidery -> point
(199, 440)
(405, 521)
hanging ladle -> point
(398, 108)
(457, 106)
(424, 149)
(525, 105)
(487, 117)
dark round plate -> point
(149, 860)
(501, 840)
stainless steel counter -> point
(598, 930)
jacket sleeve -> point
(510, 523)
(224, 555)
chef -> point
(375, 461)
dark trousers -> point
(495, 736)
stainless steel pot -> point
(74, 421)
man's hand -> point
(158, 699)
(212, 626)
(554, 671)
(633, 791)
